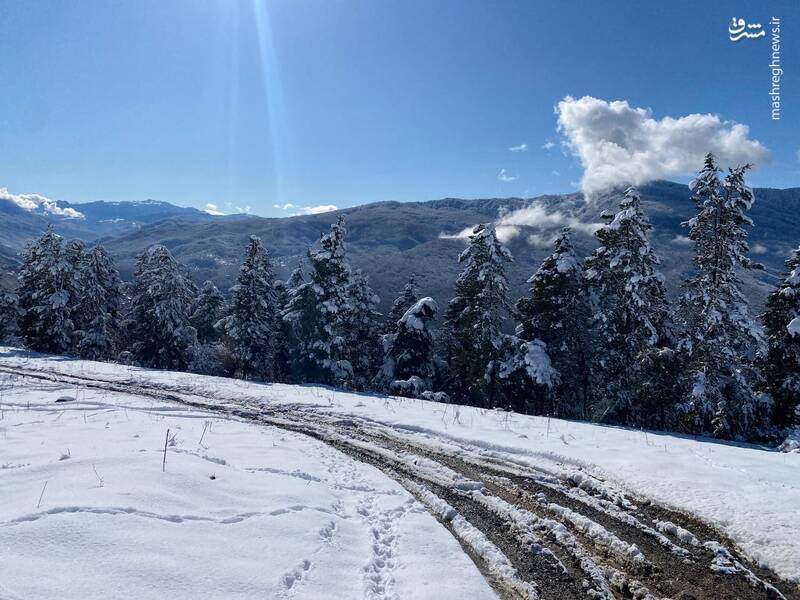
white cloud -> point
(681, 240)
(758, 249)
(541, 241)
(520, 148)
(32, 202)
(548, 145)
(286, 206)
(461, 235)
(243, 209)
(504, 176)
(317, 210)
(213, 210)
(535, 216)
(504, 233)
(555, 173)
(618, 144)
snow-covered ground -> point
(250, 512)
(751, 494)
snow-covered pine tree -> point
(9, 317)
(158, 324)
(474, 320)
(361, 330)
(296, 279)
(719, 337)
(250, 324)
(317, 312)
(288, 352)
(281, 370)
(207, 310)
(209, 356)
(628, 301)
(45, 286)
(406, 299)
(556, 312)
(782, 359)
(99, 307)
(74, 253)
(408, 361)
(527, 376)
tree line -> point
(595, 339)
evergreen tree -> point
(719, 338)
(45, 288)
(209, 356)
(99, 307)
(9, 317)
(528, 376)
(250, 324)
(406, 299)
(656, 385)
(556, 312)
(628, 303)
(287, 353)
(360, 329)
(158, 321)
(474, 319)
(408, 362)
(207, 311)
(782, 359)
(318, 310)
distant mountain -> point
(89, 221)
(391, 240)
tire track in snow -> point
(589, 509)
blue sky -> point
(328, 102)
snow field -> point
(749, 493)
(252, 511)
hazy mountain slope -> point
(98, 219)
(391, 240)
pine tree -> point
(528, 376)
(782, 359)
(209, 356)
(281, 369)
(158, 321)
(99, 308)
(719, 338)
(45, 288)
(207, 311)
(317, 313)
(10, 314)
(556, 312)
(251, 321)
(360, 329)
(288, 351)
(406, 299)
(408, 363)
(629, 306)
(474, 319)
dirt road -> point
(533, 533)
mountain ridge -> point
(390, 240)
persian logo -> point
(739, 28)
